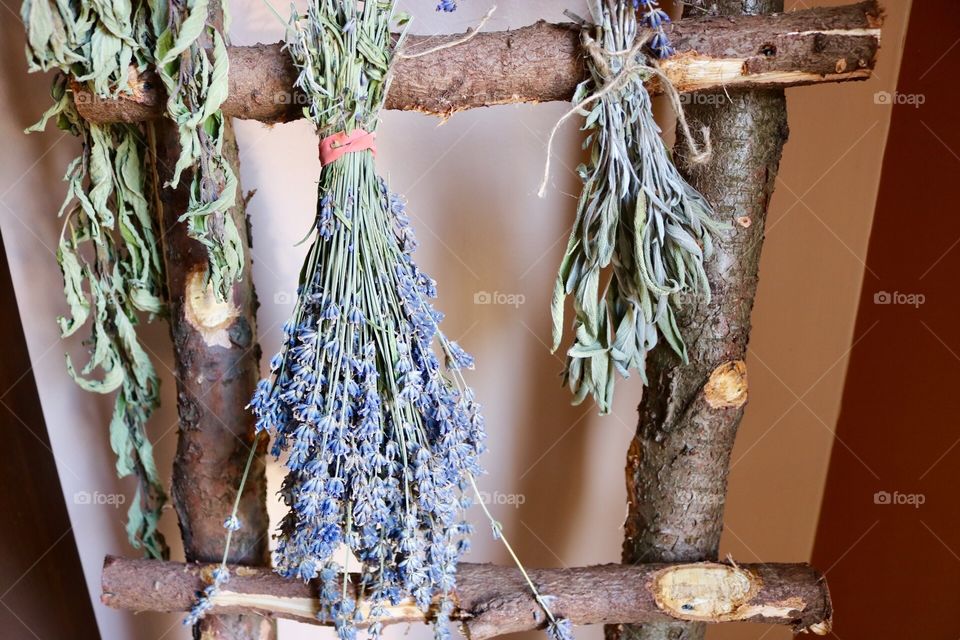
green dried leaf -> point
(637, 220)
(560, 292)
(671, 333)
(111, 268)
(194, 104)
(72, 289)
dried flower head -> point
(379, 432)
(654, 17)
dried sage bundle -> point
(641, 232)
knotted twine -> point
(633, 64)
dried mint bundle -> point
(196, 79)
(108, 251)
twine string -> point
(471, 33)
(633, 65)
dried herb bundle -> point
(641, 233)
(108, 246)
(94, 42)
(381, 437)
(196, 82)
(108, 249)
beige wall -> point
(811, 274)
(471, 187)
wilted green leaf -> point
(107, 252)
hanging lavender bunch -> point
(381, 437)
(641, 233)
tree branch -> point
(543, 63)
(679, 459)
(217, 362)
(493, 600)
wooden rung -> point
(492, 600)
(544, 62)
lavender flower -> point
(379, 437)
(447, 5)
(204, 603)
(366, 401)
(560, 629)
(381, 441)
(655, 18)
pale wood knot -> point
(208, 315)
(727, 386)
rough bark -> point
(493, 600)
(543, 63)
(679, 459)
(217, 367)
